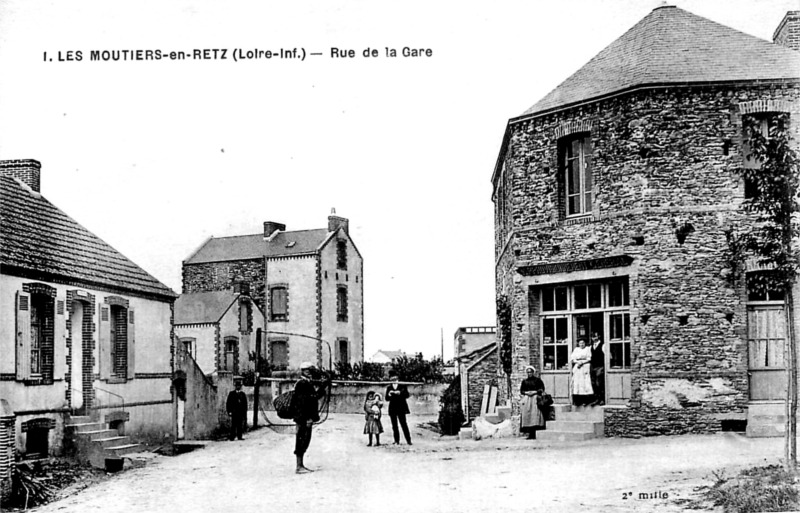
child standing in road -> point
(372, 411)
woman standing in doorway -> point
(531, 417)
(582, 392)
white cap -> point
(306, 365)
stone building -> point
(475, 354)
(83, 330)
(218, 330)
(308, 285)
(613, 196)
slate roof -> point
(246, 247)
(673, 46)
(203, 307)
(39, 239)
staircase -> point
(92, 442)
(574, 423)
(766, 419)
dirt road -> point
(435, 474)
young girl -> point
(372, 410)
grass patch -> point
(768, 488)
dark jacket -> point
(598, 359)
(304, 400)
(397, 402)
(236, 404)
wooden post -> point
(257, 377)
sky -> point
(155, 156)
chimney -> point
(28, 171)
(788, 32)
(271, 227)
(335, 222)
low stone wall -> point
(348, 396)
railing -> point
(96, 402)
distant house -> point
(386, 357)
(83, 330)
(308, 283)
(476, 357)
(218, 329)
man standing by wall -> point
(396, 395)
(306, 411)
(236, 406)
(597, 367)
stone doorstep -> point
(766, 419)
(82, 427)
(465, 433)
(98, 433)
(563, 436)
(111, 440)
(576, 426)
(595, 415)
(765, 431)
(79, 419)
(98, 453)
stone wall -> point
(485, 372)
(664, 162)
(222, 276)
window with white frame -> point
(575, 154)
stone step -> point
(465, 433)
(98, 433)
(119, 450)
(561, 408)
(765, 430)
(576, 426)
(594, 414)
(563, 436)
(79, 419)
(81, 427)
(766, 419)
(111, 441)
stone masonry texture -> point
(662, 159)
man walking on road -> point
(236, 406)
(396, 395)
(306, 412)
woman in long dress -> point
(531, 417)
(582, 392)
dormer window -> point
(575, 162)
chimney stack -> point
(788, 32)
(271, 227)
(335, 222)
(28, 171)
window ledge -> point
(35, 382)
(584, 219)
(114, 381)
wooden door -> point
(766, 339)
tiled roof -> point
(673, 46)
(202, 307)
(38, 238)
(246, 247)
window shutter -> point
(104, 340)
(23, 308)
(131, 344)
(60, 339)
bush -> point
(451, 415)
(419, 369)
(757, 489)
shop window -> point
(618, 294)
(619, 341)
(588, 296)
(555, 343)
(554, 299)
